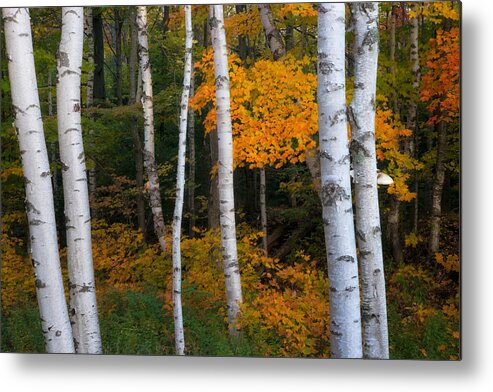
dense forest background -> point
(285, 308)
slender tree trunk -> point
(132, 63)
(263, 209)
(213, 207)
(368, 232)
(412, 123)
(192, 163)
(344, 298)
(139, 178)
(118, 55)
(40, 210)
(436, 207)
(99, 87)
(82, 291)
(52, 144)
(180, 186)
(273, 37)
(88, 32)
(393, 229)
(147, 104)
(242, 42)
(225, 170)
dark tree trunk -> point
(118, 26)
(436, 207)
(132, 63)
(213, 212)
(99, 89)
(139, 177)
(242, 42)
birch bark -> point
(82, 291)
(225, 169)
(272, 35)
(337, 209)
(368, 232)
(180, 186)
(147, 104)
(40, 210)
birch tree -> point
(368, 232)
(337, 210)
(225, 169)
(273, 37)
(180, 186)
(147, 104)
(82, 290)
(40, 210)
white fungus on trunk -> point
(82, 291)
(180, 186)
(344, 298)
(147, 104)
(55, 321)
(225, 167)
(368, 232)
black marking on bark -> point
(30, 208)
(376, 230)
(72, 12)
(34, 263)
(337, 117)
(346, 258)
(71, 130)
(360, 235)
(36, 222)
(352, 117)
(78, 239)
(326, 155)
(220, 80)
(333, 289)
(335, 333)
(63, 59)
(344, 159)
(69, 72)
(77, 107)
(326, 67)
(86, 289)
(359, 151)
(359, 85)
(350, 289)
(58, 333)
(332, 193)
(39, 284)
(45, 174)
(376, 271)
(64, 166)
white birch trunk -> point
(147, 104)
(180, 186)
(83, 306)
(225, 170)
(55, 322)
(345, 316)
(273, 37)
(368, 232)
(263, 209)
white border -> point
(473, 373)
